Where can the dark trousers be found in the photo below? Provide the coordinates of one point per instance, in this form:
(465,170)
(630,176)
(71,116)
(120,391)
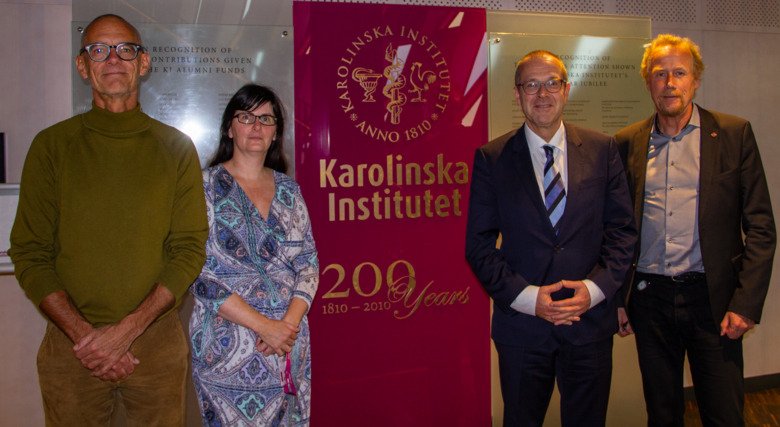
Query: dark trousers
(583,373)
(671,319)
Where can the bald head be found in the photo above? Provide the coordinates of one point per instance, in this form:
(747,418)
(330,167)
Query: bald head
(543,55)
(110,17)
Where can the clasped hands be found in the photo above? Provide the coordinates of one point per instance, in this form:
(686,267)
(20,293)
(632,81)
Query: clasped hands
(106,352)
(565,311)
(276,337)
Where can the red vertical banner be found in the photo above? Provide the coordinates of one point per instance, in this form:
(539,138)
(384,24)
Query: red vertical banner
(390,103)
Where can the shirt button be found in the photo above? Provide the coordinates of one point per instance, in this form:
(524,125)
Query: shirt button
(670,240)
(671,187)
(670,213)
(672,163)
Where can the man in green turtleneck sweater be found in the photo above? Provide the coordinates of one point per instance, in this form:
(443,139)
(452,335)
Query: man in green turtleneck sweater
(109,233)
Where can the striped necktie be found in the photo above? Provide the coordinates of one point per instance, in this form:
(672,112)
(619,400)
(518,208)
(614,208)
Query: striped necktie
(554,193)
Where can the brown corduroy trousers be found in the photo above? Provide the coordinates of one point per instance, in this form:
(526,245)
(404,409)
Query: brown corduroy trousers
(153,395)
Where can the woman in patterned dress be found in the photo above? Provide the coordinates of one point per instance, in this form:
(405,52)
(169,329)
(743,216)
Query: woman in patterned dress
(251,364)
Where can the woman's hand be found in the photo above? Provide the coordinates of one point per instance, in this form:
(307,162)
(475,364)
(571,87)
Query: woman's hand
(292,318)
(276,337)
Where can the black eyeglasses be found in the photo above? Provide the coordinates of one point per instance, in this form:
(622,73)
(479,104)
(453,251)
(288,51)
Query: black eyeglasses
(249,118)
(533,87)
(100,52)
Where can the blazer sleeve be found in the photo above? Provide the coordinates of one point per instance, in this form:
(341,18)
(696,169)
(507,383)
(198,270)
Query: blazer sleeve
(620,234)
(482,232)
(758,227)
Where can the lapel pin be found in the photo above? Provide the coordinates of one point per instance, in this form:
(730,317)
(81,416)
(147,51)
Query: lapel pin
(714,134)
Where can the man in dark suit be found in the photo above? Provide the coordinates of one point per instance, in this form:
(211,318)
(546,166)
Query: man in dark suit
(557,195)
(707,241)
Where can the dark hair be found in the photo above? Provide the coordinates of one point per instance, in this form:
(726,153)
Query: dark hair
(248,98)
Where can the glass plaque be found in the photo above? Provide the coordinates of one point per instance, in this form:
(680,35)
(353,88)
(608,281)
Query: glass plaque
(607,92)
(195,69)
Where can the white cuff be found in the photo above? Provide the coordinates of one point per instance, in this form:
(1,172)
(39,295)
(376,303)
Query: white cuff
(596,296)
(526,302)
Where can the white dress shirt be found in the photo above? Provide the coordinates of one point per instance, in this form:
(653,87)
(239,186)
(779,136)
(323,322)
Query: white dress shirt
(526,301)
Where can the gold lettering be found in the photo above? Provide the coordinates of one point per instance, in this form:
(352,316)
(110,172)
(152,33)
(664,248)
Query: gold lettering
(427,198)
(444,170)
(396,205)
(348,106)
(326,173)
(365,212)
(462,174)
(456,202)
(346,209)
(442,206)
(331,207)
(347,176)
(403,291)
(430,176)
(376,175)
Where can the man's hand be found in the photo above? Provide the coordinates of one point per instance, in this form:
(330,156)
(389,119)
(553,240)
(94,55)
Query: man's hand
(624,326)
(122,369)
(734,325)
(546,309)
(103,348)
(570,309)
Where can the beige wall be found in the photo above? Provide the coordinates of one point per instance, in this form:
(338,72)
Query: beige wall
(35,82)
(21,329)
(36,78)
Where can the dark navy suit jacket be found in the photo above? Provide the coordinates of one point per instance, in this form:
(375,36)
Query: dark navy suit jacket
(596,239)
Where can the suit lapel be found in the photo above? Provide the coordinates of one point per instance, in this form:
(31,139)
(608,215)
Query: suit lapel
(524,169)
(575,163)
(707,151)
(637,165)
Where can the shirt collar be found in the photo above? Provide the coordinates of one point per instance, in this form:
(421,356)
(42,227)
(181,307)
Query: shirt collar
(536,142)
(694,121)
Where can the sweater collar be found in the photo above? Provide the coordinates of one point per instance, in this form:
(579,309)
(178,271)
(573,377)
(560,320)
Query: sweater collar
(116,125)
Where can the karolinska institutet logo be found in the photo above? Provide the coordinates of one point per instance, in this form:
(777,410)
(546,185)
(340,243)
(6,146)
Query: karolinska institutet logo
(393,86)
(393,83)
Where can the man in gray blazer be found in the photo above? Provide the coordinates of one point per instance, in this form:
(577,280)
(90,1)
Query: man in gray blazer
(707,241)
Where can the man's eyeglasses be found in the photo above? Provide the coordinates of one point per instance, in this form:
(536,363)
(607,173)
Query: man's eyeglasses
(100,52)
(249,118)
(533,87)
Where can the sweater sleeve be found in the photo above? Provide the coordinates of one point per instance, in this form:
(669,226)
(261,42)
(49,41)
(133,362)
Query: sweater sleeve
(185,244)
(33,236)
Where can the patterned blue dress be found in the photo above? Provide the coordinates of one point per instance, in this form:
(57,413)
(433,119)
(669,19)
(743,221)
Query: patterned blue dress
(267,262)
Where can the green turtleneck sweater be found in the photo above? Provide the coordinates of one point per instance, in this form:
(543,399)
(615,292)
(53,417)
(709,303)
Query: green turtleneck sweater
(109,205)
